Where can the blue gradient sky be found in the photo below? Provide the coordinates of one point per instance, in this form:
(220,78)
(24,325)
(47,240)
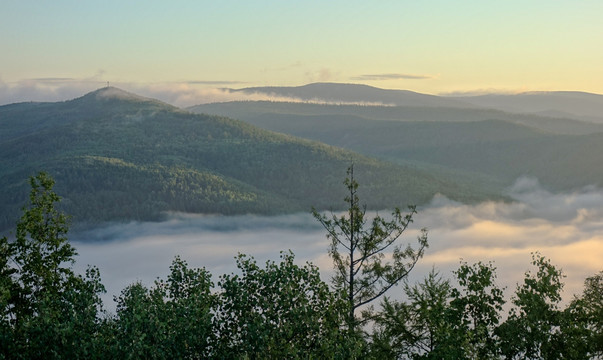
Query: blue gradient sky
(426,46)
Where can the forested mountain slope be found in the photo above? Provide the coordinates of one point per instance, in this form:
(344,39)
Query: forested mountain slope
(255,111)
(471,146)
(118,156)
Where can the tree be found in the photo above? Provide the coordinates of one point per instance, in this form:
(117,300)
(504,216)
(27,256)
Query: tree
(138,332)
(359,252)
(532,330)
(7,288)
(583,321)
(441,322)
(419,328)
(41,249)
(592,299)
(476,307)
(280,311)
(171,320)
(48,311)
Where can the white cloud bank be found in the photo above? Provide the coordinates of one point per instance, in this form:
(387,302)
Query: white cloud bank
(567,228)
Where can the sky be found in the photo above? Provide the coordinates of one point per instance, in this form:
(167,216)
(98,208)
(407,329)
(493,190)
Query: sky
(53,50)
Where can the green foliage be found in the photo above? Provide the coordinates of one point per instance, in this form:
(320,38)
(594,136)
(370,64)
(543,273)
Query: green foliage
(592,303)
(442,322)
(41,246)
(532,328)
(358,251)
(7,287)
(47,310)
(582,322)
(419,328)
(172,320)
(281,311)
(538,328)
(477,306)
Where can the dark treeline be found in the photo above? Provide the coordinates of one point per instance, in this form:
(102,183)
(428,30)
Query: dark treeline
(283,310)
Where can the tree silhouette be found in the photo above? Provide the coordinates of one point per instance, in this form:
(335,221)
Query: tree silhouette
(359,251)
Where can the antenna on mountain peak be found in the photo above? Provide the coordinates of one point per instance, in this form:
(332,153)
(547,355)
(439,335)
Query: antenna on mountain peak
(107,84)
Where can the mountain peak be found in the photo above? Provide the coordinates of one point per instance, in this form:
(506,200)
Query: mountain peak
(111,93)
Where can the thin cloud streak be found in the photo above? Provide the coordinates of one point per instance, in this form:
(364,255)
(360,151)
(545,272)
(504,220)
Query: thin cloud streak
(52,80)
(485,91)
(214,82)
(378,77)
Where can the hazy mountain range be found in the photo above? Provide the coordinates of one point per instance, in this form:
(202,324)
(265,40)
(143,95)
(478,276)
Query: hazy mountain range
(564,104)
(352,93)
(457,138)
(117,156)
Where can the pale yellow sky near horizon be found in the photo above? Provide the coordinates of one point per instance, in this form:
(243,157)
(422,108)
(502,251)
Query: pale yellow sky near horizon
(434,47)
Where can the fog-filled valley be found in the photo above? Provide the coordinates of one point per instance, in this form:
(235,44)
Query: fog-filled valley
(145,181)
(567,228)
(122,159)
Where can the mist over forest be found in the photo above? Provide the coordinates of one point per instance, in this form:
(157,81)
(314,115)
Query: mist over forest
(566,227)
(152,189)
(462,159)
(485,171)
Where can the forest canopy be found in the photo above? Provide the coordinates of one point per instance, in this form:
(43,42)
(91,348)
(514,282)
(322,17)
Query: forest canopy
(276,310)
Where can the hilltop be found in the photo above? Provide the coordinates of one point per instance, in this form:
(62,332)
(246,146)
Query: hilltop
(117,156)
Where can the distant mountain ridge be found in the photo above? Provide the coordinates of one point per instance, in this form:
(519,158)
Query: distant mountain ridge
(249,110)
(355,93)
(565,104)
(568,104)
(117,156)
(486,148)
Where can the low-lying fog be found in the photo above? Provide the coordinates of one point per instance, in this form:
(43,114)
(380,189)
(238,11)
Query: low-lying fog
(567,228)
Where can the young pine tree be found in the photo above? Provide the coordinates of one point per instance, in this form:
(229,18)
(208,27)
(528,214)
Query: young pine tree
(359,251)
